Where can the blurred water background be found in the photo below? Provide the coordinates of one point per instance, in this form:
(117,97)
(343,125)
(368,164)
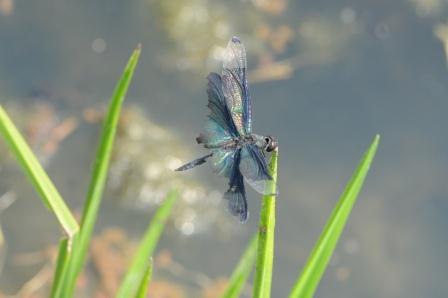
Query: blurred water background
(325,76)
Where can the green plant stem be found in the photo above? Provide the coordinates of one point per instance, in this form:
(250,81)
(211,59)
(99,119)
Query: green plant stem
(318,260)
(61,263)
(242,270)
(265,256)
(144,284)
(33,169)
(146,248)
(99,176)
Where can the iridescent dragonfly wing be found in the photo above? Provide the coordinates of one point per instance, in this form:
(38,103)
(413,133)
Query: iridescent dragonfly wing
(254,168)
(236,194)
(235,87)
(218,128)
(222,161)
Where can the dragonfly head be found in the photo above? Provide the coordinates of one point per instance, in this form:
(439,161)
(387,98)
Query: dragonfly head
(270,143)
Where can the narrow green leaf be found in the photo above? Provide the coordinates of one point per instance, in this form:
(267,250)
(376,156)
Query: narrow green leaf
(146,248)
(61,263)
(323,250)
(265,255)
(99,176)
(144,284)
(2,239)
(32,168)
(242,271)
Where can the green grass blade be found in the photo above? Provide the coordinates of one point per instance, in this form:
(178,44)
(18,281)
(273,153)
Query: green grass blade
(242,271)
(265,254)
(99,176)
(321,254)
(61,264)
(33,169)
(2,246)
(144,284)
(146,248)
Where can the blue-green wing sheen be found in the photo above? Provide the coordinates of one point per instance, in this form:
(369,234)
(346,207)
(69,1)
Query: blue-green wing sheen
(222,161)
(219,126)
(213,134)
(254,169)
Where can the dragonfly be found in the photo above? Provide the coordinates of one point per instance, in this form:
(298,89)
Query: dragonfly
(235,152)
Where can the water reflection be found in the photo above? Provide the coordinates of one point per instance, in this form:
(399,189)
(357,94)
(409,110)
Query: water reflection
(6,7)
(428,8)
(344,71)
(5,201)
(280,45)
(197,27)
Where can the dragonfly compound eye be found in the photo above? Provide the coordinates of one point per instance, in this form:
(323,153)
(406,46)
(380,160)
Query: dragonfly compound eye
(271,143)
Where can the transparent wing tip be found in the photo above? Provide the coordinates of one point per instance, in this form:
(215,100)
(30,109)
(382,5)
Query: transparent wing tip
(235,39)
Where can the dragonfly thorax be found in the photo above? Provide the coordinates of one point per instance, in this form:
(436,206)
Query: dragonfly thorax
(266,143)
